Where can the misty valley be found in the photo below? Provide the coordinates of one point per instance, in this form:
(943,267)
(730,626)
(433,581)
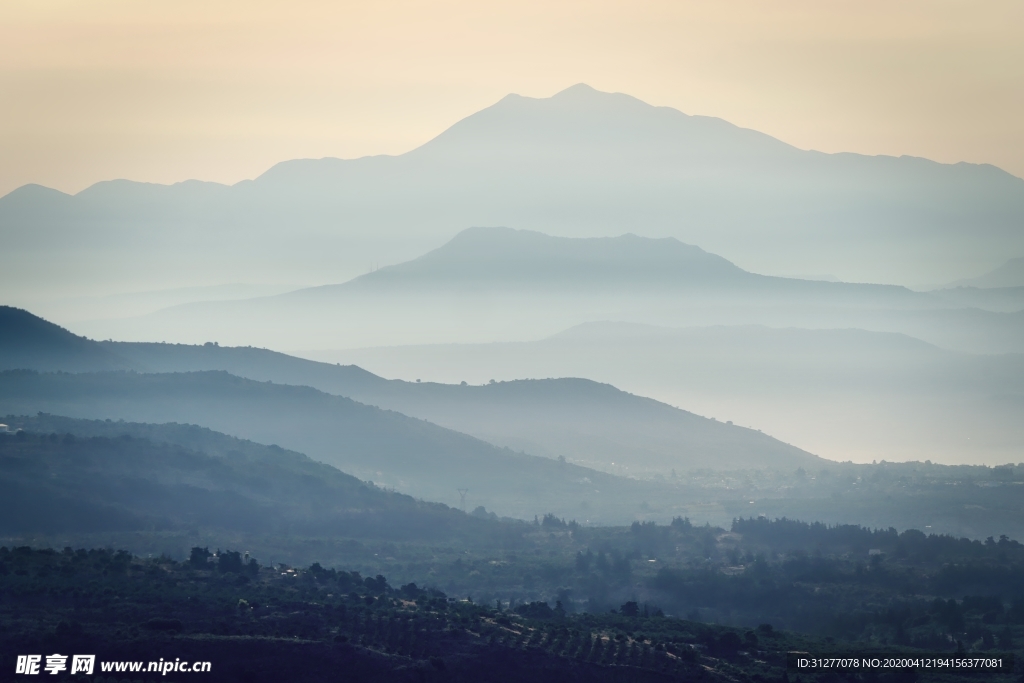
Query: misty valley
(583,531)
(508,407)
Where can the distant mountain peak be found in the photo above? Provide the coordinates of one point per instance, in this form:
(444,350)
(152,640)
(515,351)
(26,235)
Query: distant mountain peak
(493,255)
(582,91)
(580,162)
(578,88)
(32,192)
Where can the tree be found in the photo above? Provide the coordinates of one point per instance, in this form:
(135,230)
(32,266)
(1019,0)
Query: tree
(229,561)
(583,561)
(199,556)
(378,584)
(729,643)
(536,610)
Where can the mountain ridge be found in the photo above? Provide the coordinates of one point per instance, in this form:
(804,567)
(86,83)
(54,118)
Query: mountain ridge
(582,163)
(409,455)
(460,126)
(28,341)
(518,256)
(503,284)
(585,421)
(845,394)
(85,476)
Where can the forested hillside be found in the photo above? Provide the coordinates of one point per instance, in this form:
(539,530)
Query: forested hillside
(197,481)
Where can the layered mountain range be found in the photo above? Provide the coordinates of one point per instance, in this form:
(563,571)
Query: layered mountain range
(608,452)
(580,163)
(646,250)
(841,393)
(500,284)
(591,424)
(101,476)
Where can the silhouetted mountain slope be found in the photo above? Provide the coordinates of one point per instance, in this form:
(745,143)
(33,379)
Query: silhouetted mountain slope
(79,476)
(177,482)
(27,341)
(503,258)
(620,162)
(592,424)
(580,163)
(410,455)
(523,262)
(587,422)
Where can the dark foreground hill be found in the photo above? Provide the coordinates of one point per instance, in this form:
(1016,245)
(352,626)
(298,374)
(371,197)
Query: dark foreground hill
(117,477)
(153,495)
(971,501)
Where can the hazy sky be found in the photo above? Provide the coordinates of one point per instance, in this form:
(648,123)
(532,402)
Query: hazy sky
(163,91)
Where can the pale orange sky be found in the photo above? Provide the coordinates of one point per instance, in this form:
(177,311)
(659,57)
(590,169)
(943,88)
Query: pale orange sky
(163,91)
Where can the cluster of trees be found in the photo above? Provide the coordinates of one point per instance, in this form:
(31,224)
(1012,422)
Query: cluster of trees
(793,535)
(963,500)
(53,600)
(241,613)
(850,582)
(226,562)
